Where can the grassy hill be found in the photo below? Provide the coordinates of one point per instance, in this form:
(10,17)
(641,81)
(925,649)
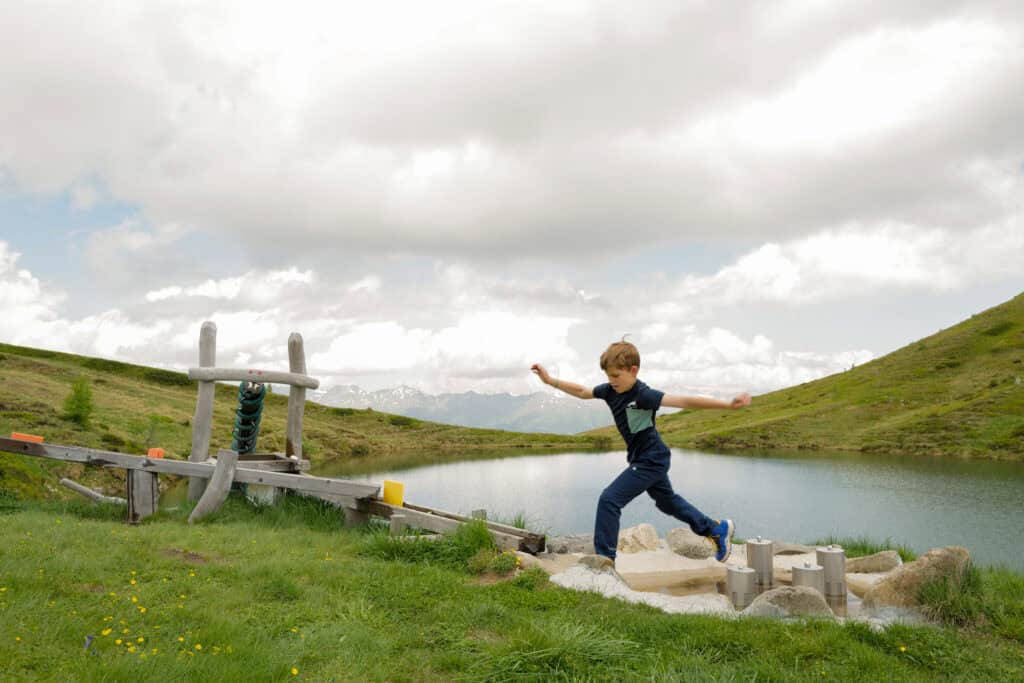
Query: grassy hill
(136,407)
(958,392)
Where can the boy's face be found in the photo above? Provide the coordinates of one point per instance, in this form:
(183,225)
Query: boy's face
(622,379)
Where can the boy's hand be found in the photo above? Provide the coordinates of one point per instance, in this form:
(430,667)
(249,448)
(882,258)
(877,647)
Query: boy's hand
(741,401)
(539,370)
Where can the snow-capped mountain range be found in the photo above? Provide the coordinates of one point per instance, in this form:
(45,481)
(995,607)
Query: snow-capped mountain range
(537,412)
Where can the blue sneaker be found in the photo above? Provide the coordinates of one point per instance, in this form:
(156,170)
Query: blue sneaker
(721,536)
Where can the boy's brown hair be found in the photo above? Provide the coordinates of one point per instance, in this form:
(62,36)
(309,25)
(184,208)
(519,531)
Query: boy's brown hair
(621,355)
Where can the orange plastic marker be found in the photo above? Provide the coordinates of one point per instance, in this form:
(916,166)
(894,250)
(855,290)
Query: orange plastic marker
(155,453)
(34,438)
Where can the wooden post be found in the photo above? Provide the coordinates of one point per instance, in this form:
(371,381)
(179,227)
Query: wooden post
(296,397)
(202,421)
(143,494)
(219,487)
(398,525)
(354,517)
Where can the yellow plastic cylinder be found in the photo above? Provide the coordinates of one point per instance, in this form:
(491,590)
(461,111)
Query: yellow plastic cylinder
(394,491)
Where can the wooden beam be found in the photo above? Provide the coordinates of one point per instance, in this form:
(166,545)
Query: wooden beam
(92,456)
(218,488)
(438,523)
(91,494)
(496,526)
(202,421)
(204,374)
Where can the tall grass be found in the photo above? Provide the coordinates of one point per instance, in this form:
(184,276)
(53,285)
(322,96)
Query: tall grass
(453,550)
(859,546)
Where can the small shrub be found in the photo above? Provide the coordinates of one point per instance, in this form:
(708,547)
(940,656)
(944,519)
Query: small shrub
(531,579)
(78,404)
(343,412)
(504,563)
(360,450)
(402,421)
(602,443)
(310,448)
(481,561)
(947,364)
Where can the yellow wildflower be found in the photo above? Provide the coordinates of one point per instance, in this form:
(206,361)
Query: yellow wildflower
(106,631)
(140,639)
(117,642)
(199,646)
(133,582)
(142,610)
(295,672)
(135,598)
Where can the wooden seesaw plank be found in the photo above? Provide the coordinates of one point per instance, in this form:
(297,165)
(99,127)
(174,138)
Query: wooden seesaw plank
(205,470)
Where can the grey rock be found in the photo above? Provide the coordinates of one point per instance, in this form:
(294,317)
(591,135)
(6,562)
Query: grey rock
(684,542)
(789,601)
(574,543)
(874,564)
(900,588)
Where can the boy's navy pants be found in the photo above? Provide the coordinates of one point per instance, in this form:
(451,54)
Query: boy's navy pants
(640,476)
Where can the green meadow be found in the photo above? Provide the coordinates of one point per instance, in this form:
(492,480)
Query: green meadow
(285,593)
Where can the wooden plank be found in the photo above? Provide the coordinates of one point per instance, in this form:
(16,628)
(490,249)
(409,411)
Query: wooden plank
(92,456)
(218,488)
(202,421)
(92,495)
(296,397)
(496,526)
(431,522)
(205,374)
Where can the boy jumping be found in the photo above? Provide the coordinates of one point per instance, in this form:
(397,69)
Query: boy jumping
(633,405)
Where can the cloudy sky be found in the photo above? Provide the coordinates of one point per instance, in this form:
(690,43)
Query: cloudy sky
(438,194)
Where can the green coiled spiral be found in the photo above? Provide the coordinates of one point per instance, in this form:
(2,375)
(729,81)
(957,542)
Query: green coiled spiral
(247,417)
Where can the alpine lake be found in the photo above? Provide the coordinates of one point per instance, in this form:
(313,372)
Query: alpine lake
(919,502)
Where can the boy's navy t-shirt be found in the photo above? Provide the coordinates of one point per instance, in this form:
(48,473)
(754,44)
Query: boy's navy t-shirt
(634,412)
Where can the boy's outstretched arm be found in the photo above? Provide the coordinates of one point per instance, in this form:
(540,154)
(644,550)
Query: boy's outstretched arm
(570,388)
(701,403)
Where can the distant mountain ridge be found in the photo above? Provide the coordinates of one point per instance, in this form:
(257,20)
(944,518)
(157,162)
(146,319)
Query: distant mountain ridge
(536,412)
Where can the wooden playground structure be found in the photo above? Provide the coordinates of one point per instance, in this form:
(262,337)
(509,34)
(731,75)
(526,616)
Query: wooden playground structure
(265,476)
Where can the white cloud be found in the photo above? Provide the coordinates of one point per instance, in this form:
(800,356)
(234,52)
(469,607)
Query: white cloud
(254,286)
(720,362)
(370,283)
(853,262)
(514,130)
